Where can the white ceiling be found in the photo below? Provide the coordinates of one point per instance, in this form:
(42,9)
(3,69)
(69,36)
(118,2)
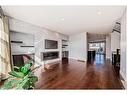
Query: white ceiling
(68,19)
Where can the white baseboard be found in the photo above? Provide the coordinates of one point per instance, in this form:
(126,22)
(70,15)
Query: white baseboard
(123,76)
(109,59)
(78,59)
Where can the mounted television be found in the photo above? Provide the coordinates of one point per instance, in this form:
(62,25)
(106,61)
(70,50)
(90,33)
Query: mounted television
(51,44)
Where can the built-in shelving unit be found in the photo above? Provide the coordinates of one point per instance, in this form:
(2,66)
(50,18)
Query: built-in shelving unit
(64,43)
(116,27)
(21,43)
(64,48)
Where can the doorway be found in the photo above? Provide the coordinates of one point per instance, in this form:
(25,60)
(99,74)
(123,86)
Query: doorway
(100,50)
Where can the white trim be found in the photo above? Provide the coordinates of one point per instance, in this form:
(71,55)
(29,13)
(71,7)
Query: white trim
(77,59)
(109,59)
(124,82)
(124,76)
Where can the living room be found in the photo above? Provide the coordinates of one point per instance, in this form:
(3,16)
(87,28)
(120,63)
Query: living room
(57,41)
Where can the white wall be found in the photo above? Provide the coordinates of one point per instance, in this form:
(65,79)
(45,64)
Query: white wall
(27,39)
(108,46)
(115,41)
(40,45)
(78,46)
(40,34)
(123,48)
(94,37)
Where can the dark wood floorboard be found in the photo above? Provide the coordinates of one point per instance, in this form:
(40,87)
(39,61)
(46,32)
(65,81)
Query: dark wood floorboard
(73,74)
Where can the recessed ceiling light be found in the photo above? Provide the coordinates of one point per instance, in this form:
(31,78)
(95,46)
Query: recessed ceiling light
(99,13)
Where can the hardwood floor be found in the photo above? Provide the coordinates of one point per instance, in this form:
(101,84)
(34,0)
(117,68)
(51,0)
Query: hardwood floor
(73,74)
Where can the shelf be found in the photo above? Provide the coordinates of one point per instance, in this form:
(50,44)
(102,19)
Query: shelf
(64,45)
(65,40)
(26,46)
(65,51)
(16,41)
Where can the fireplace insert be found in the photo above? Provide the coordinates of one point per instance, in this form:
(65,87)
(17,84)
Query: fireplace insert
(50,55)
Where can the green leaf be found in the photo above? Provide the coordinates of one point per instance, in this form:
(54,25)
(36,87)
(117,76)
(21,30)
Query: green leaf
(10,84)
(16,74)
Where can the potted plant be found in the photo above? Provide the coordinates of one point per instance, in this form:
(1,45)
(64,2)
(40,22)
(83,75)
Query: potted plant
(21,78)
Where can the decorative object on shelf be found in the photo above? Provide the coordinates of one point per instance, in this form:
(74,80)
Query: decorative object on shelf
(22,78)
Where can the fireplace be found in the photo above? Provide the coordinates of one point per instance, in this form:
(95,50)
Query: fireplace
(21,59)
(49,55)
